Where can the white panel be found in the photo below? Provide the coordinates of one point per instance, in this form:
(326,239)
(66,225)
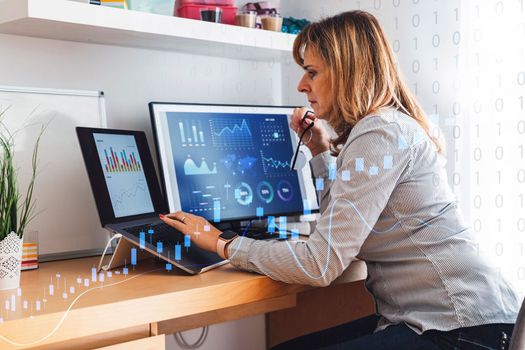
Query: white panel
(66,219)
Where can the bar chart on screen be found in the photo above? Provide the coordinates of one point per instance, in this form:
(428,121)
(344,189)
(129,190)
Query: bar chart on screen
(120,161)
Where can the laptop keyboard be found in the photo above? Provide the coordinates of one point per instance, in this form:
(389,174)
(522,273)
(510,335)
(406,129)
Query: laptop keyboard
(157,229)
(161,232)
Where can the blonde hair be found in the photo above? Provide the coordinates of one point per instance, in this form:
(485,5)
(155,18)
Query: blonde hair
(364,77)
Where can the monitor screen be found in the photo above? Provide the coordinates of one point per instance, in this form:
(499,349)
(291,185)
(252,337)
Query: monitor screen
(230,163)
(124,174)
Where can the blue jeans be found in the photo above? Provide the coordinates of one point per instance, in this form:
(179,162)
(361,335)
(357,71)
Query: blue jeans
(358,335)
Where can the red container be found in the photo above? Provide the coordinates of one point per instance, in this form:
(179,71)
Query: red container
(181,3)
(194,12)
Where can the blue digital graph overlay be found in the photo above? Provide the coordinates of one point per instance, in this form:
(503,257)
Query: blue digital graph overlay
(191,168)
(275,165)
(191,134)
(231,133)
(241,169)
(272,132)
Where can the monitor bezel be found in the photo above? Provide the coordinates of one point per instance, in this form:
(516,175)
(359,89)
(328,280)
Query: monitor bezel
(301,177)
(96,174)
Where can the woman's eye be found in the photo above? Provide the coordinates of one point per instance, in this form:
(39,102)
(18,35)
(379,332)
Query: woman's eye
(311,74)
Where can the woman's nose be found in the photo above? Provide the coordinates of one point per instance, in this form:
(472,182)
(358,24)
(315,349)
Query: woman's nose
(302,86)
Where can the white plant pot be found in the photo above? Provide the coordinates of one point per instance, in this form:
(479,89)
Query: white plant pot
(10,261)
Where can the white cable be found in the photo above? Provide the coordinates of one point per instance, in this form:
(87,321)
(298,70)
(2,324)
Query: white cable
(179,338)
(117,235)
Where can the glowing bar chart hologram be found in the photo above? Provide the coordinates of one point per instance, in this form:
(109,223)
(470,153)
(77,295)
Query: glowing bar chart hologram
(178,252)
(191,134)
(133,256)
(121,162)
(142,240)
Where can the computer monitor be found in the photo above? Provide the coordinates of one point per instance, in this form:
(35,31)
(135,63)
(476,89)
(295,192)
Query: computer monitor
(230,163)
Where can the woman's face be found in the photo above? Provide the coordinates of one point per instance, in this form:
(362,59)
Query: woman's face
(316,83)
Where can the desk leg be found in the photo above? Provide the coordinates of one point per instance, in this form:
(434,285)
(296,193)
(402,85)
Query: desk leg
(319,309)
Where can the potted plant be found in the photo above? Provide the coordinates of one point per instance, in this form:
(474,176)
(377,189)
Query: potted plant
(15,212)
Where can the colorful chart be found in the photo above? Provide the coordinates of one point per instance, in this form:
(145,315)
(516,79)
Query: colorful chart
(123,173)
(120,162)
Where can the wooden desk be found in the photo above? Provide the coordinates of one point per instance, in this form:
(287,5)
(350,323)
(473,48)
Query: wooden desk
(151,301)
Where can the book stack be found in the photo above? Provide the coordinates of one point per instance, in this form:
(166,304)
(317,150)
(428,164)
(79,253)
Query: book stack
(29,256)
(122,4)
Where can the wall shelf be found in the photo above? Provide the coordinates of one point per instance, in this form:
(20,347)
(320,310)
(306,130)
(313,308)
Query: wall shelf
(80,22)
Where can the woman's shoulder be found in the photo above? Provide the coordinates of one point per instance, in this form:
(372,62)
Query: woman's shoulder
(388,117)
(395,125)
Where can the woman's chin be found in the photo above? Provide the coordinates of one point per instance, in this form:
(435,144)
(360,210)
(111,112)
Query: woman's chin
(319,113)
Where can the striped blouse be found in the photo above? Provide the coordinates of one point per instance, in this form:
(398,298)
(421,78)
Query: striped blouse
(391,206)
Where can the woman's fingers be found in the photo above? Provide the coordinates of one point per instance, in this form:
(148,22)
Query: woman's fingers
(175,223)
(184,222)
(193,225)
(180,216)
(296,120)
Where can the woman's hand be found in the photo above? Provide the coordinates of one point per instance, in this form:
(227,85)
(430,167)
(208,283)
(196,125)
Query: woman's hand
(202,233)
(317,138)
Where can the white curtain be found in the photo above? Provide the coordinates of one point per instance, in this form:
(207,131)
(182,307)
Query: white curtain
(490,130)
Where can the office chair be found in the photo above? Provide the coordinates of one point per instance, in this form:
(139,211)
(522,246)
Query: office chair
(517,341)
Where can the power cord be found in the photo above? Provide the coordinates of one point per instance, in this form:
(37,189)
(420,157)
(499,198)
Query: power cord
(106,267)
(179,339)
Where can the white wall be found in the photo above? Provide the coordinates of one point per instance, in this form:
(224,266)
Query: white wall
(133,77)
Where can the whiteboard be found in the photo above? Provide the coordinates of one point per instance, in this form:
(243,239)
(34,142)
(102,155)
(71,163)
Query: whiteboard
(67,221)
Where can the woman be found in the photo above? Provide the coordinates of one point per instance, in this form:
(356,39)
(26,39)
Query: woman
(432,288)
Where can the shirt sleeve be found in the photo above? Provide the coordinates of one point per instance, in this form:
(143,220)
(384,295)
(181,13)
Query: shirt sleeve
(320,165)
(372,165)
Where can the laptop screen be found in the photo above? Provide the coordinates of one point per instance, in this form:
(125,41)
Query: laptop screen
(124,174)
(121,173)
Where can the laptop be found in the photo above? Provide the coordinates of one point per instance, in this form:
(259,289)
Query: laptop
(129,200)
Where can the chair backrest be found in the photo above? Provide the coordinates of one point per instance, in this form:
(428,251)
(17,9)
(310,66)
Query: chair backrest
(518,335)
